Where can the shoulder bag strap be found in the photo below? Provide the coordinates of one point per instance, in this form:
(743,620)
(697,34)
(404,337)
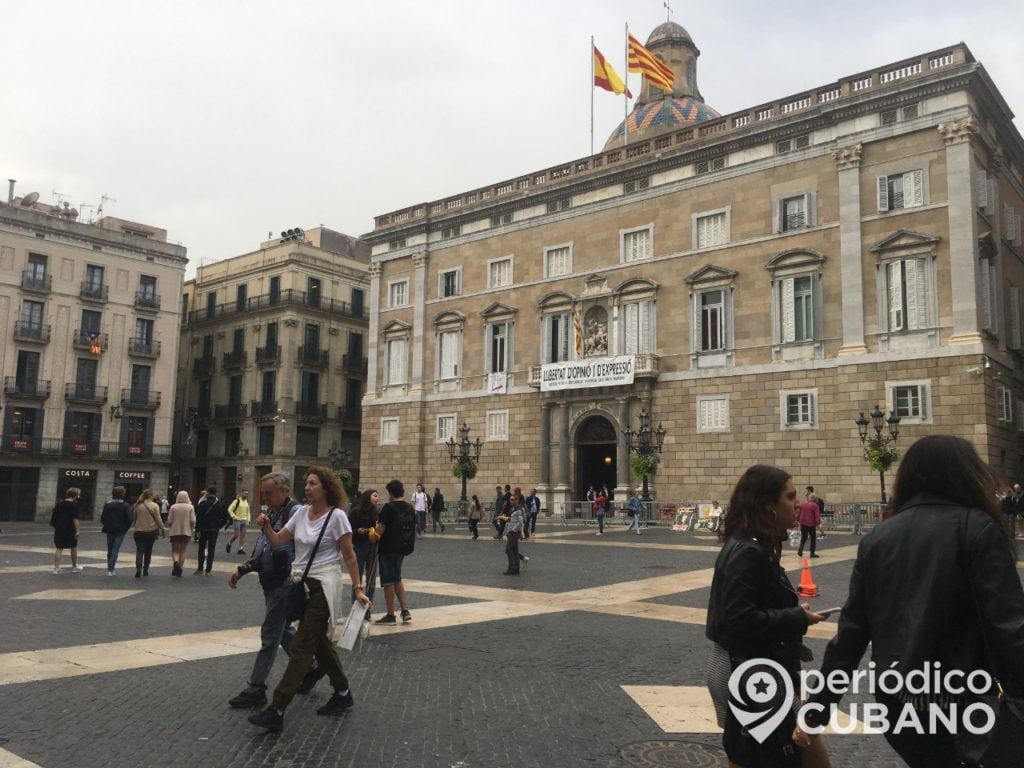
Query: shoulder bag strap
(316,546)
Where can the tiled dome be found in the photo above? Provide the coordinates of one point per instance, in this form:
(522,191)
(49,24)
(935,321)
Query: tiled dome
(669,31)
(663,116)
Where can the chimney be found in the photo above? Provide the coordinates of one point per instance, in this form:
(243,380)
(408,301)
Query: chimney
(10,190)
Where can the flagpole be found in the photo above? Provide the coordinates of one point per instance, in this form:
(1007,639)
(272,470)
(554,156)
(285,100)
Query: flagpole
(625,109)
(591,94)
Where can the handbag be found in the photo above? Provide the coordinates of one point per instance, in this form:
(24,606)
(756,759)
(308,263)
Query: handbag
(1002,746)
(298,597)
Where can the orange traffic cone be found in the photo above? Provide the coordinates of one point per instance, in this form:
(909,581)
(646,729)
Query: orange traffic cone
(807,586)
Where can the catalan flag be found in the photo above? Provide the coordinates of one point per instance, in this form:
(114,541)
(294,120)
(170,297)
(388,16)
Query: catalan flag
(606,77)
(654,69)
(94,343)
(577,330)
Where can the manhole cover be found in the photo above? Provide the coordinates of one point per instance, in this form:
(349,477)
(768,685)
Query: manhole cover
(673,754)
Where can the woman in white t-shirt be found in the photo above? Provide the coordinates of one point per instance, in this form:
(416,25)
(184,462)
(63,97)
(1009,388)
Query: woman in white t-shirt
(420,502)
(326,497)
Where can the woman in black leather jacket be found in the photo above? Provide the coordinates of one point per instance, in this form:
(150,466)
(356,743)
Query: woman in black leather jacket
(935,582)
(754,613)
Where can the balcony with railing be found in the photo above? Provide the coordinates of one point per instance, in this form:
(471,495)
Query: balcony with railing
(87,394)
(288,298)
(140,398)
(352,416)
(314,356)
(83,340)
(263,410)
(68,446)
(269,354)
(26,389)
(94,292)
(354,364)
(236,358)
(147,300)
(28,331)
(37,282)
(310,411)
(143,348)
(204,366)
(228,413)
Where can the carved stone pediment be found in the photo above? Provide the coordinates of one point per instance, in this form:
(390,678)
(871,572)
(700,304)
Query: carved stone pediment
(711,273)
(795,258)
(497,309)
(904,239)
(396,326)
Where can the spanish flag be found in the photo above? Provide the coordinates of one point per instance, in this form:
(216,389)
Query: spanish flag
(606,77)
(656,71)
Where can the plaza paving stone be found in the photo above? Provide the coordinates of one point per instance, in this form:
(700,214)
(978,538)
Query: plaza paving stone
(589,617)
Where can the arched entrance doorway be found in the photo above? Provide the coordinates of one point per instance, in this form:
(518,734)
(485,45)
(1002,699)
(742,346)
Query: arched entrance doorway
(595,455)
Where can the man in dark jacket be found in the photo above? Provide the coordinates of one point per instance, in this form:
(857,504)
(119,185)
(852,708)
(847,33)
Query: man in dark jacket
(116,519)
(274,565)
(211,516)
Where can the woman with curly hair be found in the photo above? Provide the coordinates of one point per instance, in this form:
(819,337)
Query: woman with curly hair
(323,519)
(754,613)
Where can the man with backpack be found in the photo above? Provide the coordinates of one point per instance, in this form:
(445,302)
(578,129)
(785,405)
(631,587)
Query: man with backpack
(211,516)
(812,496)
(116,520)
(239,511)
(397,528)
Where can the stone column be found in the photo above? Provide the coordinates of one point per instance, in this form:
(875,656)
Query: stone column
(963,237)
(622,487)
(373,333)
(563,491)
(544,459)
(850,257)
(419,314)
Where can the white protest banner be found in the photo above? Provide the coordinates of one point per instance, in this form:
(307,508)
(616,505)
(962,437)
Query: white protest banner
(590,372)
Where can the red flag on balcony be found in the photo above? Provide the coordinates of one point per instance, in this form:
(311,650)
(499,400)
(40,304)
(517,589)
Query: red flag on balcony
(94,343)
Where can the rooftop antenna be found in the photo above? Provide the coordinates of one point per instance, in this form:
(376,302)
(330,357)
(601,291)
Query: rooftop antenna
(105,198)
(668,10)
(82,207)
(60,197)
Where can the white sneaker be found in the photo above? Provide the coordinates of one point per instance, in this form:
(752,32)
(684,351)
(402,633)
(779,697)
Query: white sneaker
(110,573)
(599,534)
(77,569)
(56,571)
(526,559)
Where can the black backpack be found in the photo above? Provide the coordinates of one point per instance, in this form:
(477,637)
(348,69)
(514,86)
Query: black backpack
(821,504)
(405,517)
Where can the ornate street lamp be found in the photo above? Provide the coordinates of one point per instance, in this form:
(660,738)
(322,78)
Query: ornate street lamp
(646,443)
(464,454)
(878,449)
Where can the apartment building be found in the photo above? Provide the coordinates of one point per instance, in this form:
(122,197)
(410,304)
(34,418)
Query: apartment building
(273,356)
(88,358)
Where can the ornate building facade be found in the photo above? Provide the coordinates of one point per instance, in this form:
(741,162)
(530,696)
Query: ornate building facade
(273,356)
(765,276)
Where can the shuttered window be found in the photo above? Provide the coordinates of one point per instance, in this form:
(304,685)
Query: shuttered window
(901,190)
(396,361)
(638,331)
(796,308)
(712,230)
(907,287)
(636,245)
(448,353)
(557,333)
(711,320)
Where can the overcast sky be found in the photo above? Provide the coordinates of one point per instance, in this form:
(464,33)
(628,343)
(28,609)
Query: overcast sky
(222,120)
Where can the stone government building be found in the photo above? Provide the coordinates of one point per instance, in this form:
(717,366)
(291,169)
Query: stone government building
(771,272)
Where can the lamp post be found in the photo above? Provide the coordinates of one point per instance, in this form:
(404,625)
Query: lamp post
(466,453)
(645,442)
(881,444)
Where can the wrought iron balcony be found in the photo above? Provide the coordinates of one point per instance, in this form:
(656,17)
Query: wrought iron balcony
(204,366)
(36,282)
(94,292)
(354,363)
(140,398)
(34,389)
(90,394)
(229,412)
(37,332)
(82,340)
(143,348)
(270,354)
(146,300)
(310,411)
(68,446)
(263,409)
(350,415)
(314,356)
(234,359)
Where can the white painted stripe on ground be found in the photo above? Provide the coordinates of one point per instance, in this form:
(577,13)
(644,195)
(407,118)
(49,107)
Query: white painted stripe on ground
(80,594)
(11,760)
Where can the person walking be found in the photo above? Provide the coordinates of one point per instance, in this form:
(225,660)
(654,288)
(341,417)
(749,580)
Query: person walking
(1013,507)
(476,514)
(500,503)
(323,541)
(754,613)
(532,510)
(240,515)
(437,506)
(716,515)
(513,531)
(274,566)
(809,517)
(599,507)
(363,517)
(148,526)
(211,516)
(396,527)
(636,507)
(935,586)
(116,519)
(420,502)
(181,520)
(67,525)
